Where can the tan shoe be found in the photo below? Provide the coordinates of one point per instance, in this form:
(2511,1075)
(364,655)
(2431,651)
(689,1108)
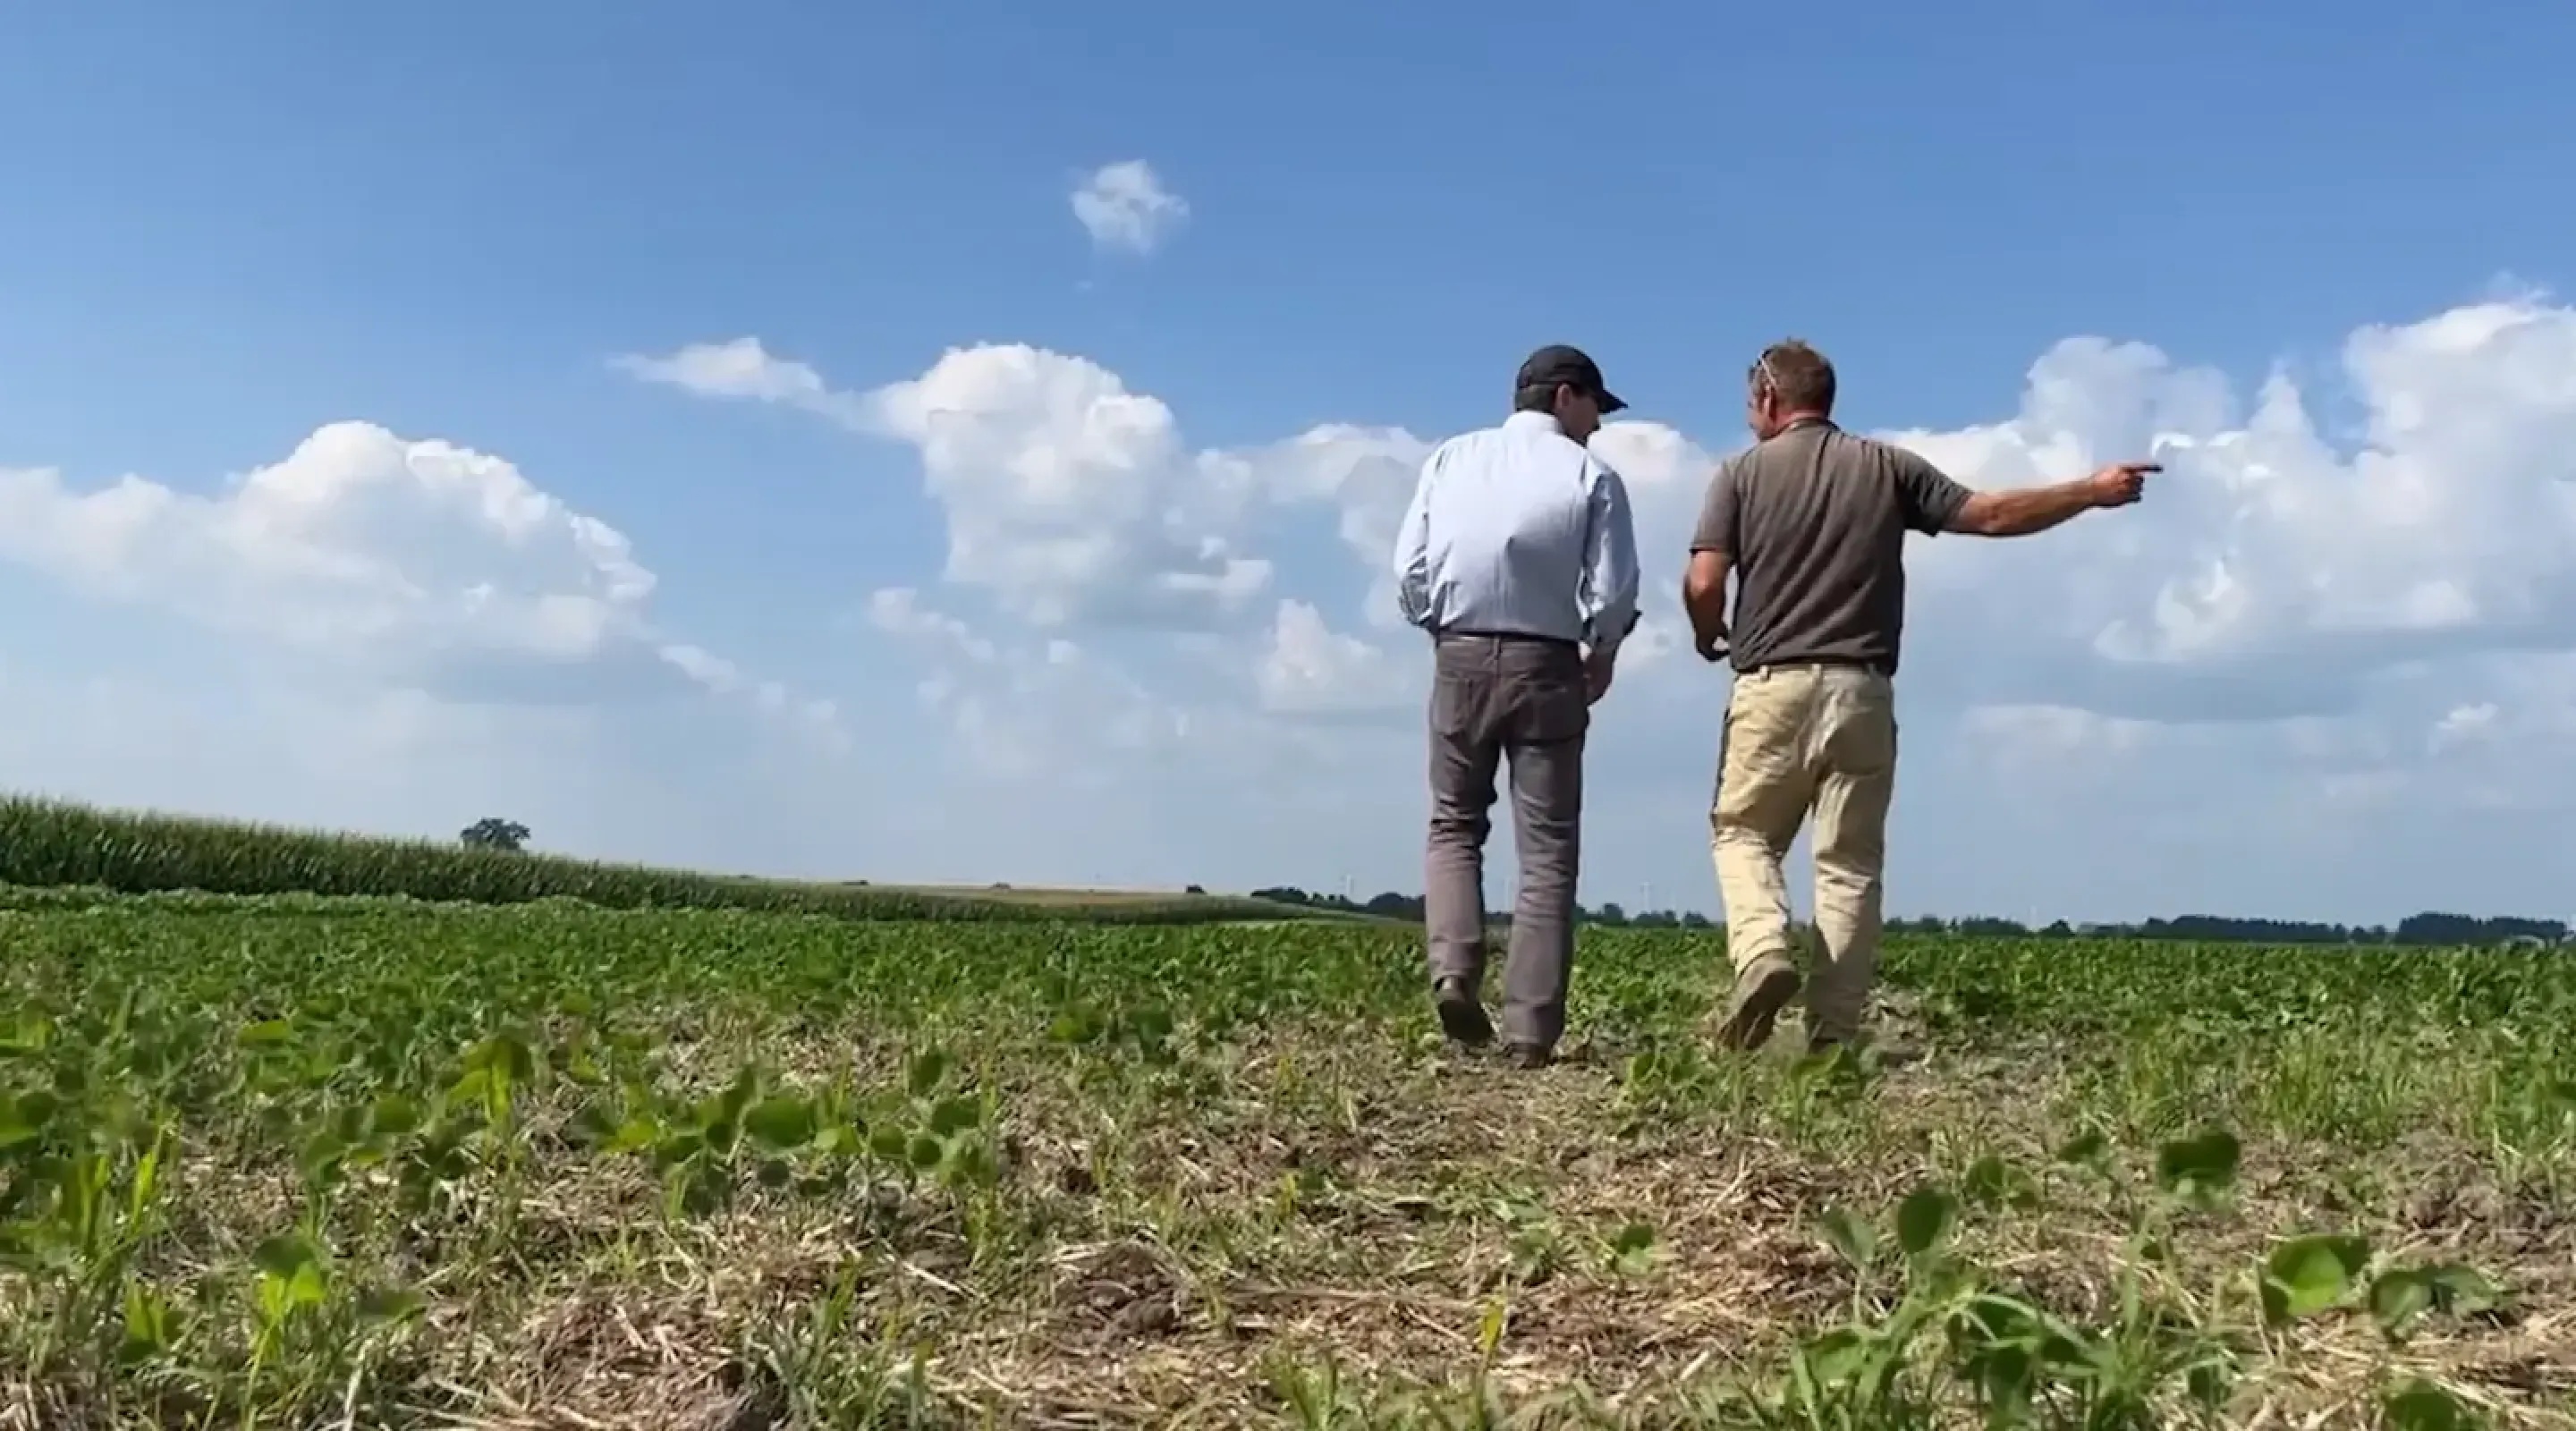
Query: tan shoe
(1762,989)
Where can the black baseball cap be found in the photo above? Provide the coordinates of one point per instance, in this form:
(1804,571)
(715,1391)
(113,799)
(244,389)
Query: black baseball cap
(1562,363)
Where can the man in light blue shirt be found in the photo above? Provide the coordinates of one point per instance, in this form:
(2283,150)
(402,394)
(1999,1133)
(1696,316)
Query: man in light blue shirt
(1518,556)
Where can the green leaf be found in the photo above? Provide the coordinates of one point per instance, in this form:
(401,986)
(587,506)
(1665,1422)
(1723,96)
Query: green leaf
(296,1269)
(393,1115)
(34,1032)
(2422,1406)
(834,1140)
(1076,1023)
(504,1053)
(695,1189)
(738,1096)
(471,1088)
(1837,1356)
(593,1124)
(320,1157)
(2306,1275)
(267,1034)
(2460,1290)
(1151,1027)
(1632,1249)
(928,1069)
(926,1152)
(2211,1383)
(955,1115)
(1924,1219)
(1853,1239)
(1992,1182)
(2201,1167)
(633,1135)
(968,1161)
(2397,1298)
(149,1325)
(782,1123)
(23,1118)
(287,1255)
(2086,1149)
(390,1304)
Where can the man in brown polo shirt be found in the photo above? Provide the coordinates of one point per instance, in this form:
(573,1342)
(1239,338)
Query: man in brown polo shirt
(1812,522)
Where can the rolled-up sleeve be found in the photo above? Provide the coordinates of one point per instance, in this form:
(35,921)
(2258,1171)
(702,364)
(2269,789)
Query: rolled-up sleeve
(1716,529)
(1413,549)
(1931,496)
(1610,562)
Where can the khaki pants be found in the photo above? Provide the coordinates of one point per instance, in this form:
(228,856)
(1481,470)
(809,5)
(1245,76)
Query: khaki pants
(1801,740)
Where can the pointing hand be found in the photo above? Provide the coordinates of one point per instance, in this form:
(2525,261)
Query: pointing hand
(2121,483)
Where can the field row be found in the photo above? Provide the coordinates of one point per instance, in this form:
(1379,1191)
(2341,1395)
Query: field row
(282,1161)
(47,844)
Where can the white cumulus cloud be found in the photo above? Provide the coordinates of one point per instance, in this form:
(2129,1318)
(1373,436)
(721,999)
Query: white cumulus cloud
(1125,207)
(1311,669)
(2279,566)
(1071,499)
(358,539)
(420,560)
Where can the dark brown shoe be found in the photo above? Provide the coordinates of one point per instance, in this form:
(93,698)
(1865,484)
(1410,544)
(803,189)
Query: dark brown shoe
(1764,988)
(1462,1014)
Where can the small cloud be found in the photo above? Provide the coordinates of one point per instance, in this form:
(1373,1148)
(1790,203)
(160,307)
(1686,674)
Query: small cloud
(742,369)
(1125,207)
(2465,725)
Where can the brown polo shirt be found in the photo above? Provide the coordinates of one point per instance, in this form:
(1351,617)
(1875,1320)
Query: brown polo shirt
(1813,523)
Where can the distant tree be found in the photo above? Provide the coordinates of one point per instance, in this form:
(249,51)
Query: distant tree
(2451,930)
(1194,889)
(493,833)
(1391,905)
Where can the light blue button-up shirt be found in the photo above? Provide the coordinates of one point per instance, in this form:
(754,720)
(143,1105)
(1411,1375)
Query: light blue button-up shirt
(1519,529)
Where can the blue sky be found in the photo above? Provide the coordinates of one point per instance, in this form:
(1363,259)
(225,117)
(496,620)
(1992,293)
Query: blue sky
(718,437)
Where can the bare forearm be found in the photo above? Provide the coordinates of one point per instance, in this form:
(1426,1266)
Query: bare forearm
(2024,510)
(1704,599)
(1707,617)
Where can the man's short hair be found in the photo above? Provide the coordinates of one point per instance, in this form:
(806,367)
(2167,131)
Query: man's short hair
(1534,397)
(1802,377)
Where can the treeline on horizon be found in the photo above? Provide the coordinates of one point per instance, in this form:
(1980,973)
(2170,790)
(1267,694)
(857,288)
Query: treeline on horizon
(2432,927)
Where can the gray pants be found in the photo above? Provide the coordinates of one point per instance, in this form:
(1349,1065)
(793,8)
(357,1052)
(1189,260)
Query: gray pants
(1521,697)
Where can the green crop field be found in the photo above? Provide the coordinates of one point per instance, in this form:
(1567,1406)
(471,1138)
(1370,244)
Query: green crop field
(47,844)
(305,1161)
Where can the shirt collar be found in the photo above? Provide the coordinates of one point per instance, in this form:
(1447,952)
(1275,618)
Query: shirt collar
(1534,420)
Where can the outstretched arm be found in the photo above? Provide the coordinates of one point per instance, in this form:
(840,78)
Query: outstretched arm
(1937,504)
